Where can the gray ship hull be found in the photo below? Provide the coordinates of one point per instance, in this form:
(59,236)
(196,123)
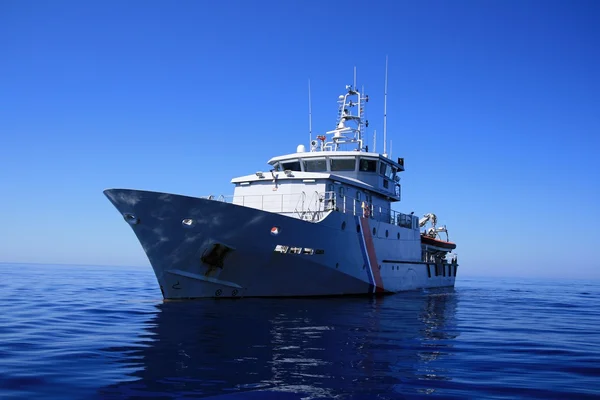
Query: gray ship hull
(207,248)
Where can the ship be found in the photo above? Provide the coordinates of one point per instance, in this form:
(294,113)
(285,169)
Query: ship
(316,222)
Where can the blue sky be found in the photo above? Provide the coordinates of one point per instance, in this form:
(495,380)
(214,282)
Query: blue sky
(495,106)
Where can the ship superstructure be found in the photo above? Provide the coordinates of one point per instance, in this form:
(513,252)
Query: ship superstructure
(317,222)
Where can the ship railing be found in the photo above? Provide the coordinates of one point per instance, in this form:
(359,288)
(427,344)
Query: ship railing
(360,207)
(313,206)
(310,206)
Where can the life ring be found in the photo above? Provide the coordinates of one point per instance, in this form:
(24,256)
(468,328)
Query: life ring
(366,210)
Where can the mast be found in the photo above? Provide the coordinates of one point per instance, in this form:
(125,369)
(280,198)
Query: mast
(351,123)
(385,107)
(309,115)
(364,121)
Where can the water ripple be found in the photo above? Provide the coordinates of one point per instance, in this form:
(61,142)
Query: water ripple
(104,332)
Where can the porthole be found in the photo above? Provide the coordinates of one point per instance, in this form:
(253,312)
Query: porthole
(374,231)
(398,235)
(337,265)
(358,228)
(343,225)
(386,233)
(364,266)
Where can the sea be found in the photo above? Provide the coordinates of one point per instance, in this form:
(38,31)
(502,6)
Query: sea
(90,332)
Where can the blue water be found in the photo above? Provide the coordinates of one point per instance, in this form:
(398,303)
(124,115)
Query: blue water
(104,332)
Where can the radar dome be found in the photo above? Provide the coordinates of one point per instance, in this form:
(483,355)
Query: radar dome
(300,148)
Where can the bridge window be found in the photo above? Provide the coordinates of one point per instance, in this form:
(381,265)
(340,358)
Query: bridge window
(368,165)
(291,165)
(387,170)
(382,168)
(390,172)
(315,165)
(343,164)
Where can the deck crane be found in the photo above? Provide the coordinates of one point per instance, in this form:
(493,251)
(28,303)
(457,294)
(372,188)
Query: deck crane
(428,217)
(433,231)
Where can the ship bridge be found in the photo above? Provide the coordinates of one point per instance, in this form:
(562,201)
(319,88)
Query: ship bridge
(374,170)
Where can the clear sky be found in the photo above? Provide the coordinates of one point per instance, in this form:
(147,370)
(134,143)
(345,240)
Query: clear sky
(495,106)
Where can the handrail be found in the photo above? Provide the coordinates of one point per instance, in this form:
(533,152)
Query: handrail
(319,204)
(302,198)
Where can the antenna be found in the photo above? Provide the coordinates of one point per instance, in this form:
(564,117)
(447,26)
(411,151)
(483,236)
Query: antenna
(354,87)
(390,148)
(385,106)
(309,115)
(374,141)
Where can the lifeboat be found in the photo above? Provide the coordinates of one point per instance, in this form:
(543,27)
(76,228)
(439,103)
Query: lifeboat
(428,240)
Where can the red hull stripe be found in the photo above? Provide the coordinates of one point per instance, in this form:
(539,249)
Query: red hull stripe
(364,222)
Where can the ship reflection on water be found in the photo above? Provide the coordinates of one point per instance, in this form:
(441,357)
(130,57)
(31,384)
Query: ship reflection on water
(293,348)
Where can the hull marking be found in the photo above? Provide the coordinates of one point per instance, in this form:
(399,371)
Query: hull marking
(370,257)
